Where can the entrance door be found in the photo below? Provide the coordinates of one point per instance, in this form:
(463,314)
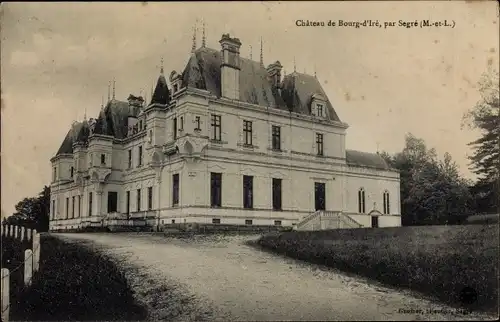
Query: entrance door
(374,221)
(319,196)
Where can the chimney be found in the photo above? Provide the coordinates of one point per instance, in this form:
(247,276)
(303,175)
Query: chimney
(274,72)
(135,101)
(230,67)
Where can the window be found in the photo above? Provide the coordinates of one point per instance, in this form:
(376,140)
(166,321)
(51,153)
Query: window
(216,127)
(67,208)
(182,124)
(53,209)
(215,220)
(319,143)
(129,159)
(79,206)
(138,200)
(103,159)
(215,189)
(150,198)
(73,207)
(145,125)
(71,172)
(175,128)
(140,156)
(319,110)
(387,209)
(112,201)
(90,204)
(247,192)
(140,125)
(128,202)
(175,88)
(175,189)
(276,194)
(173,221)
(276,132)
(198,121)
(247,131)
(361,201)
(54,173)
(277,222)
(248,221)
(91,159)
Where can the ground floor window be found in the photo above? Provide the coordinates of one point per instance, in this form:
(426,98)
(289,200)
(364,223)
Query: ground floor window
(215,221)
(277,222)
(215,189)
(112,201)
(248,222)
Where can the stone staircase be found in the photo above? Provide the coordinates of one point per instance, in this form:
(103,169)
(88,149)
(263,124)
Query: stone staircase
(323,220)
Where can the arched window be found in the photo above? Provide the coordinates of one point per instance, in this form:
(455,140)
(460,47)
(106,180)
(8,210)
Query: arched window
(361,201)
(387,209)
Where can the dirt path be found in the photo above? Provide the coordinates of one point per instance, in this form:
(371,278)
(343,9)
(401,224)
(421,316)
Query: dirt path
(220,278)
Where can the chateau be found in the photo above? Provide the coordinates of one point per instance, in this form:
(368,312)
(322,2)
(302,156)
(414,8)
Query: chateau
(227,141)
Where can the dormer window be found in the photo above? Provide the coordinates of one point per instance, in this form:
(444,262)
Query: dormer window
(319,110)
(175,88)
(175,80)
(140,125)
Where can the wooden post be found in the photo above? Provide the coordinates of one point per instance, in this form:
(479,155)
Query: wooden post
(28,266)
(28,234)
(5,294)
(10,230)
(2,229)
(16,230)
(36,250)
(22,233)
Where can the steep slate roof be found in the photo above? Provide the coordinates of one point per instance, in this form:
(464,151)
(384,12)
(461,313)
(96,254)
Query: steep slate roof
(203,72)
(161,95)
(112,120)
(365,159)
(305,87)
(79,131)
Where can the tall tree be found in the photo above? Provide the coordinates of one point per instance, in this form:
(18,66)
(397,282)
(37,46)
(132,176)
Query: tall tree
(432,191)
(33,212)
(485,161)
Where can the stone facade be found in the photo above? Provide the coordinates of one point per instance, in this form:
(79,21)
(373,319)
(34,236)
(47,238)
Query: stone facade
(139,164)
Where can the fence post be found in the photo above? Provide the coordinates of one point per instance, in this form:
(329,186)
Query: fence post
(5,294)
(28,266)
(16,229)
(22,233)
(28,234)
(2,230)
(9,231)
(36,250)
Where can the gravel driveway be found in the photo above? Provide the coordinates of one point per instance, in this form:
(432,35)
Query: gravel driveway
(221,278)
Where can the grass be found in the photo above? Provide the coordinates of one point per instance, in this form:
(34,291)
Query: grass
(75,283)
(456,264)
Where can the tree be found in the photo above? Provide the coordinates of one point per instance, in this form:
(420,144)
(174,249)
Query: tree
(485,161)
(33,212)
(432,191)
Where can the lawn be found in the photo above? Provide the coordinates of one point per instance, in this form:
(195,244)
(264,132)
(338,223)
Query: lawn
(456,264)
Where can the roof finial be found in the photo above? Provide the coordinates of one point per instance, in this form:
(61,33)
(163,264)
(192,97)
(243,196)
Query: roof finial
(114,84)
(109,90)
(193,46)
(294,65)
(315,71)
(85,114)
(161,66)
(261,53)
(250,52)
(203,39)
(102,101)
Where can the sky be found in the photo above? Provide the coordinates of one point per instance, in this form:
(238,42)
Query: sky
(57,60)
